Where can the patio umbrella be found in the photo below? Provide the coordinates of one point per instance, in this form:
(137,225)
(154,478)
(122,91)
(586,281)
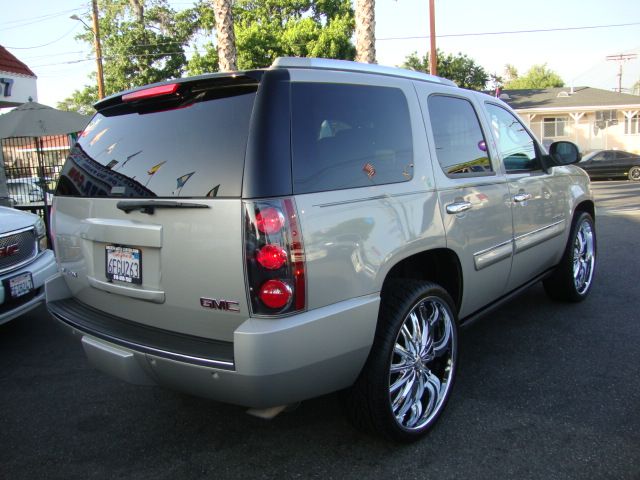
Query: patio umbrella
(33,119)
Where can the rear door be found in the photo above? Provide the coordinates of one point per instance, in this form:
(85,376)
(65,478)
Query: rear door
(148,215)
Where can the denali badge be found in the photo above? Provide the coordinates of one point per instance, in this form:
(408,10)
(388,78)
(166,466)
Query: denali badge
(9,250)
(226,305)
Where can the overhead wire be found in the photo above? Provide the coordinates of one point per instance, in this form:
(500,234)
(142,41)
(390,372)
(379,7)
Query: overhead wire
(40,19)
(545,30)
(45,44)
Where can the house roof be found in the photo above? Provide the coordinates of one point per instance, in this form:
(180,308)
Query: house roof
(10,64)
(564,98)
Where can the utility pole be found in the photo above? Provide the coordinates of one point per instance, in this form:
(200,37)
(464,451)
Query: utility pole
(433,56)
(96,41)
(96,44)
(621,57)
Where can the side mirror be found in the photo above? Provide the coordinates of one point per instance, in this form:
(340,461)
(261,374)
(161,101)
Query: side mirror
(564,153)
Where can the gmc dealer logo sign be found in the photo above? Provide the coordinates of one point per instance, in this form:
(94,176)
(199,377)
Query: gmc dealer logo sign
(9,250)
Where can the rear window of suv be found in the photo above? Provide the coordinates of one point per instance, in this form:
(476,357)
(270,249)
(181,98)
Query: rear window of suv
(346,136)
(194,151)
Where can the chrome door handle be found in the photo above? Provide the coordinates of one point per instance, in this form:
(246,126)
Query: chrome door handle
(522,197)
(458,207)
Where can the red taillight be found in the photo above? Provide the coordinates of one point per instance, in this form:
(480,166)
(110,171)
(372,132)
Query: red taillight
(272,257)
(270,220)
(275,294)
(151,92)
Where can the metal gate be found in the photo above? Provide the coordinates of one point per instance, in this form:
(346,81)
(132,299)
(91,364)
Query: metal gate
(32,166)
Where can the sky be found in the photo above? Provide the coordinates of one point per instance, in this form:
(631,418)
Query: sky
(572,37)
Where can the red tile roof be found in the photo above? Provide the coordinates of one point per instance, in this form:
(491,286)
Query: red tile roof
(10,64)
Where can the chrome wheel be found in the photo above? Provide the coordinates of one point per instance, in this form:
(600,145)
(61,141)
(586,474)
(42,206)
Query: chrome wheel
(422,363)
(634,174)
(583,257)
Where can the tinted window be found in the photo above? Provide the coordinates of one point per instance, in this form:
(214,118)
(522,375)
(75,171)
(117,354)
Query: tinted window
(460,144)
(346,136)
(197,151)
(515,145)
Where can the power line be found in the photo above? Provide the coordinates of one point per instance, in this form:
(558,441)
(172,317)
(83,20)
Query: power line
(510,32)
(40,19)
(46,44)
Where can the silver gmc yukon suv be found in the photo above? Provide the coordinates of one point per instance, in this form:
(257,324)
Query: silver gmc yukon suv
(268,236)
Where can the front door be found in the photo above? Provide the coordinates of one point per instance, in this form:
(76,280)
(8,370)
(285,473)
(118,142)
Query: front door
(537,198)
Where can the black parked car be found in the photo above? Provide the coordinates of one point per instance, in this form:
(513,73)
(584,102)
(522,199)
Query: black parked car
(611,164)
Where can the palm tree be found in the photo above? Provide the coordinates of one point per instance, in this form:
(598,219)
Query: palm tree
(365,31)
(226,37)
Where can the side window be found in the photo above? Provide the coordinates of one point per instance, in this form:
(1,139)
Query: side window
(517,148)
(347,136)
(460,144)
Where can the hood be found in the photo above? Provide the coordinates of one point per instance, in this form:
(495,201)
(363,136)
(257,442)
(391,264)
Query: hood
(12,219)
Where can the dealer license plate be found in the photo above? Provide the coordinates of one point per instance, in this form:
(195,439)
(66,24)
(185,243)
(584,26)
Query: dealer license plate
(20,285)
(123,264)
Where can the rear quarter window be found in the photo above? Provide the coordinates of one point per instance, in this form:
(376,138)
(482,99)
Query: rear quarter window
(347,136)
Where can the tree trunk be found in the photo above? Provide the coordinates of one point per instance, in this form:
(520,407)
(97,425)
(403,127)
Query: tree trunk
(365,31)
(226,37)
(138,9)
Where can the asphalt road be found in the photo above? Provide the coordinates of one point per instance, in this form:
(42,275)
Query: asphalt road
(545,390)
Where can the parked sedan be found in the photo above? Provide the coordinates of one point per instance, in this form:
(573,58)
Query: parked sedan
(25,262)
(611,164)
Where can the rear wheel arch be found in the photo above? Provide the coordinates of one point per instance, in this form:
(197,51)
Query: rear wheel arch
(440,266)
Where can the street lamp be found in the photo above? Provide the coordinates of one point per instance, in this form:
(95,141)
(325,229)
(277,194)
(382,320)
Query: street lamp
(96,44)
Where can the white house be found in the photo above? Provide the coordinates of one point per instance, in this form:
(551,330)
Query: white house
(590,117)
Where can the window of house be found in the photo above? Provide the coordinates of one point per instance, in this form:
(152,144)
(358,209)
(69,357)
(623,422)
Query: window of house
(516,147)
(554,127)
(461,147)
(632,125)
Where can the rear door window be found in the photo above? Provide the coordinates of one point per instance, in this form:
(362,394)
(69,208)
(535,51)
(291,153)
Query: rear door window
(346,136)
(460,144)
(196,151)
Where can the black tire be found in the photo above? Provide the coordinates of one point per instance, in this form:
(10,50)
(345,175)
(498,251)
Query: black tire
(573,277)
(425,371)
(634,174)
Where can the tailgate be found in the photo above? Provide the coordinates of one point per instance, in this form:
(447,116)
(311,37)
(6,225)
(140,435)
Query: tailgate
(188,262)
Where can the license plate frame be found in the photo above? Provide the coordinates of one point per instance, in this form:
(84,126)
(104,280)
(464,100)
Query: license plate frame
(19,285)
(123,264)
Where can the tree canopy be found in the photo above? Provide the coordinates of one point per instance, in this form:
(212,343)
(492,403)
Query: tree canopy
(145,41)
(459,68)
(538,76)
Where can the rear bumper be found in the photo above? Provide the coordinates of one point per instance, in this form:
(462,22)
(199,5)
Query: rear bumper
(270,362)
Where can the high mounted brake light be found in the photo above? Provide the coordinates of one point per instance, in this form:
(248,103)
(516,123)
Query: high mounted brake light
(146,93)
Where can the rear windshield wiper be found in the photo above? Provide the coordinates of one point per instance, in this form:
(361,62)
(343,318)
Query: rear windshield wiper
(149,206)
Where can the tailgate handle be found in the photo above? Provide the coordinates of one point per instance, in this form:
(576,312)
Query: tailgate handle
(149,206)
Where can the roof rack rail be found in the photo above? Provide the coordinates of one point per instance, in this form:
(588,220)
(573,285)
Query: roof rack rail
(347,66)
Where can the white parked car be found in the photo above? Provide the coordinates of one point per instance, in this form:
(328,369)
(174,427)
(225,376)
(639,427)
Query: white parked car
(25,262)
(26,192)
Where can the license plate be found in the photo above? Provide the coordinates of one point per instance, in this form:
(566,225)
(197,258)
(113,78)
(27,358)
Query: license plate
(123,264)
(20,285)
